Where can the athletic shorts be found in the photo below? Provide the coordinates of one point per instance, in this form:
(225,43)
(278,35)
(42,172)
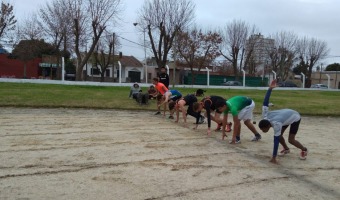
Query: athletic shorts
(247,112)
(175,98)
(294,127)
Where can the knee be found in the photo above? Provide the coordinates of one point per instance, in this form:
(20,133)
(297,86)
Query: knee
(291,140)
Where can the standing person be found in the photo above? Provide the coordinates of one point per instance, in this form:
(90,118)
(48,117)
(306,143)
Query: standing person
(134,90)
(164,77)
(209,104)
(170,95)
(161,90)
(280,120)
(241,108)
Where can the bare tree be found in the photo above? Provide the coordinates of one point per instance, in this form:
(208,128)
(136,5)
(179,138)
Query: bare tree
(7,19)
(197,49)
(163,19)
(310,51)
(90,19)
(30,28)
(235,36)
(283,55)
(54,21)
(104,54)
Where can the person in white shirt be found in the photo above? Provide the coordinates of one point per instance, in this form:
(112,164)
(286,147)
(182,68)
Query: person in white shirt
(279,120)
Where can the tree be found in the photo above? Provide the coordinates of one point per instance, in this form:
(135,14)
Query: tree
(86,19)
(283,55)
(90,18)
(163,19)
(104,54)
(197,49)
(235,36)
(310,51)
(333,67)
(7,19)
(54,22)
(30,29)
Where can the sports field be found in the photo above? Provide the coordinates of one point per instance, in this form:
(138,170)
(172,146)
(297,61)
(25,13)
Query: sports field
(110,154)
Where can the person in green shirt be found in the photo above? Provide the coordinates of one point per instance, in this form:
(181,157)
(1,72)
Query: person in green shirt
(241,108)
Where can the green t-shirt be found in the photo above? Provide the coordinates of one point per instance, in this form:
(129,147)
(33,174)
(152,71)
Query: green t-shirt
(237,103)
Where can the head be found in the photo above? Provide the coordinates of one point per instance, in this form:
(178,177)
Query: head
(152,87)
(200,92)
(264,125)
(135,85)
(159,97)
(221,105)
(172,105)
(197,106)
(140,90)
(163,71)
(155,81)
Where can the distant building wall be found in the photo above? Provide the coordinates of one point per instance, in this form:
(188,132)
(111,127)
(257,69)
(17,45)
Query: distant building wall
(14,68)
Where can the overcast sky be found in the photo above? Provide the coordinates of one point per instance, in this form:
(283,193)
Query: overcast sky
(313,18)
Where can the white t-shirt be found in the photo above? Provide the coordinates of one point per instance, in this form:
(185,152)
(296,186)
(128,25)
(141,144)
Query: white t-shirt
(279,118)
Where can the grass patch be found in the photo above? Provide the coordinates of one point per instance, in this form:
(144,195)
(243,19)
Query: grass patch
(324,103)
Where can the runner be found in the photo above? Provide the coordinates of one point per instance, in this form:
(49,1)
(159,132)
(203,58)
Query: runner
(209,104)
(161,90)
(169,96)
(241,108)
(280,120)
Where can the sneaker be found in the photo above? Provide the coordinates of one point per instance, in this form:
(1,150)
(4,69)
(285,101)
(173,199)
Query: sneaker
(256,138)
(171,117)
(303,155)
(158,113)
(228,127)
(236,141)
(218,128)
(284,152)
(201,121)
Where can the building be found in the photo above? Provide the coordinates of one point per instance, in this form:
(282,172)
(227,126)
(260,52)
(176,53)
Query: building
(258,49)
(132,70)
(14,68)
(322,78)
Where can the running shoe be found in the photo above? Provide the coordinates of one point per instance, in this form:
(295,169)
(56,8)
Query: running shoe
(256,138)
(171,117)
(201,121)
(158,113)
(219,126)
(284,152)
(303,155)
(228,127)
(236,141)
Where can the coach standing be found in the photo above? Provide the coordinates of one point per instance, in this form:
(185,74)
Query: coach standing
(164,77)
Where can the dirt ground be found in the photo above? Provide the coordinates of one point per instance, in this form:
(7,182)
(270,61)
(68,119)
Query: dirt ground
(111,154)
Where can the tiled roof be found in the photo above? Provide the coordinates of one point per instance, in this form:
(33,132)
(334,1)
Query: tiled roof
(130,61)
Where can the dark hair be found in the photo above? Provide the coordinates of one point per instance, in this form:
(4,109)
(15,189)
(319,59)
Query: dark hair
(172,105)
(159,97)
(155,79)
(200,92)
(195,106)
(264,124)
(220,103)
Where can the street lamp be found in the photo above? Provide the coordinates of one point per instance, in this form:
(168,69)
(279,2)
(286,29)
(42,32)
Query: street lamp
(145,64)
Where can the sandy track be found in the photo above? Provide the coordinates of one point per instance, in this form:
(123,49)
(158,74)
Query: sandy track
(109,154)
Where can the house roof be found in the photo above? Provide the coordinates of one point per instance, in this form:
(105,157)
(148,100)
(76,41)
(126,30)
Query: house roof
(130,61)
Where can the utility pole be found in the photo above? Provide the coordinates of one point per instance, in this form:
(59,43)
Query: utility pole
(113,56)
